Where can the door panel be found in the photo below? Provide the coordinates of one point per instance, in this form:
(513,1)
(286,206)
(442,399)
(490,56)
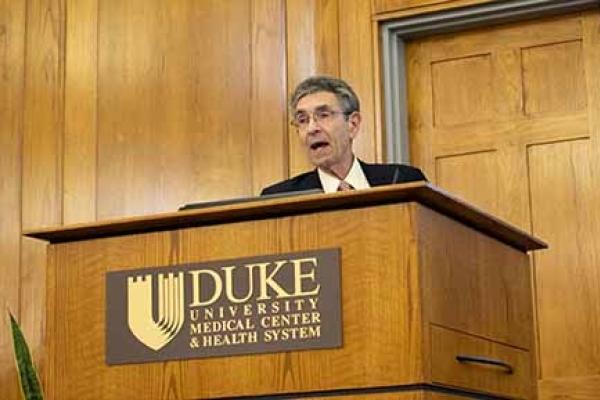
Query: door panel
(507,117)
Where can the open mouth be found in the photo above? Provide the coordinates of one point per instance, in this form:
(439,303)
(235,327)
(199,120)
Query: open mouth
(318,145)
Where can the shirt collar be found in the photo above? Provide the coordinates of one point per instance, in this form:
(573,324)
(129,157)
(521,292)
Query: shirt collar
(356,177)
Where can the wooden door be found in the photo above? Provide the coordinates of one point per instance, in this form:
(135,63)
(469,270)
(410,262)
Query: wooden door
(508,118)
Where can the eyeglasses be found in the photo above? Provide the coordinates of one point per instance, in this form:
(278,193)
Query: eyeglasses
(320,115)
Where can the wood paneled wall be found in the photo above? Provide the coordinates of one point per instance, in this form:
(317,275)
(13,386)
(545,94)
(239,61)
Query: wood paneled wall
(112,108)
(12,47)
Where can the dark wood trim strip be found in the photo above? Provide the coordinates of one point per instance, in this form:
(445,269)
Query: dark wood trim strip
(373,390)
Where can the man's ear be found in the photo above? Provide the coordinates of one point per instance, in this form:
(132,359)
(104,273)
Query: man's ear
(354,121)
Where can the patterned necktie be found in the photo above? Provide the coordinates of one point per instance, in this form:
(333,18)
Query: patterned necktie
(344,186)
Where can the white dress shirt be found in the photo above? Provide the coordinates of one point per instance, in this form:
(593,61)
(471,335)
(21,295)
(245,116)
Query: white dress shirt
(356,178)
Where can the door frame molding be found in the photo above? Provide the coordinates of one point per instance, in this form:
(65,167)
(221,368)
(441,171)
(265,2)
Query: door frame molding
(394,34)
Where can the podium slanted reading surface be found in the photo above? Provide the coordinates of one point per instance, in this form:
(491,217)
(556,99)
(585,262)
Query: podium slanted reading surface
(435,300)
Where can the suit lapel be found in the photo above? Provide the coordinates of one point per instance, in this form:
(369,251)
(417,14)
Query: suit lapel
(312,181)
(374,175)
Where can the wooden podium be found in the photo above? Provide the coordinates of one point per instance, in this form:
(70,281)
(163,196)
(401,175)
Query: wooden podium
(436,299)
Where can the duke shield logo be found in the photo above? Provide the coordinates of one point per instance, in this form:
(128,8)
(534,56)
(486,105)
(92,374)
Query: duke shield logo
(170,308)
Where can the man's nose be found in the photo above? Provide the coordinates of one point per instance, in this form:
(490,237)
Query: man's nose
(313,125)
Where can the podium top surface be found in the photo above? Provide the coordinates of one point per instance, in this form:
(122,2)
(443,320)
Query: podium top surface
(419,192)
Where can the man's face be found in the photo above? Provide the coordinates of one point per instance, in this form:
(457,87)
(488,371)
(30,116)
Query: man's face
(328,135)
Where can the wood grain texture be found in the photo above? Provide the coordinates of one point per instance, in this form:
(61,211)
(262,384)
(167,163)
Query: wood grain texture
(446,345)
(380,151)
(494,108)
(493,180)
(12,45)
(391,337)
(476,289)
(48,375)
(478,168)
(462,90)
(564,204)
(387,9)
(380,6)
(421,192)
(420,109)
(526,158)
(356,68)
(80,138)
(570,388)
(488,296)
(33,298)
(43,114)
(591,53)
(60,93)
(497,103)
(568,92)
(77,370)
(520,35)
(312,31)
(389,301)
(269,146)
(174,104)
(531,163)
(42,156)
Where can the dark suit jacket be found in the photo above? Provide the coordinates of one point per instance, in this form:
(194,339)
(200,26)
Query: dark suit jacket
(377,175)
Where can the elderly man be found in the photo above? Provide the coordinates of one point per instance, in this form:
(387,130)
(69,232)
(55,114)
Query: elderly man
(326,113)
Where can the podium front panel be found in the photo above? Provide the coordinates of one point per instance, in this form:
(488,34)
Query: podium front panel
(401,266)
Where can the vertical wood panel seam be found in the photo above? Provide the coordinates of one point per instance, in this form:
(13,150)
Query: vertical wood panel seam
(286,117)
(339,40)
(21,158)
(60,165)
(523,94)
(534,284)
(288,130)
(97,114)
(534,266)
(62,169)
(429,66)
(62,58)
(373,94)
(378,115)
(252,46)
(587,42)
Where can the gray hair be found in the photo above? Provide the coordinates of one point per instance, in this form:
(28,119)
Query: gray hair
(342,91)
